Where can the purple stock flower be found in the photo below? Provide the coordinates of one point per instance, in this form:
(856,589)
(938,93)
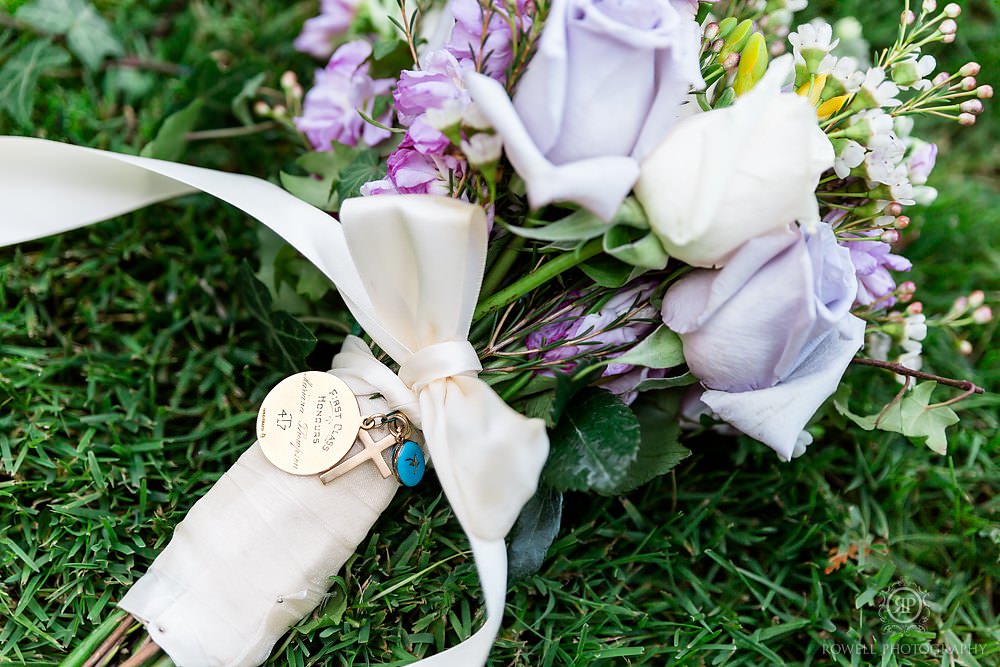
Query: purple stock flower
(872,262)
(921,163)
(330,112)
(436,84)
(576,332)
(319,33)
(413,172)
(473,21)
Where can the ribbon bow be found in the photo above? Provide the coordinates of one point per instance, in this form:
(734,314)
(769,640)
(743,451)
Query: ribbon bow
(409,268)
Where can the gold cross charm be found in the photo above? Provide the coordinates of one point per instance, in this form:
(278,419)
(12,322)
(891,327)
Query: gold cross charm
(399,429)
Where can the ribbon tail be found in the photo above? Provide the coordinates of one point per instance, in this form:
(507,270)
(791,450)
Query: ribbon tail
(51,187)
(491,563)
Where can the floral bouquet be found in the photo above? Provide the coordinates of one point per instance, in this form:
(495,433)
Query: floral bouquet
(570,236)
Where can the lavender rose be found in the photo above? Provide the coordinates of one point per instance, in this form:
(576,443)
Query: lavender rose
(771,334)
(602,91)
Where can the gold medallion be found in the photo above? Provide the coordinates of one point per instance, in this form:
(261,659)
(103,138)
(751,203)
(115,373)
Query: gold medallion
(308,422)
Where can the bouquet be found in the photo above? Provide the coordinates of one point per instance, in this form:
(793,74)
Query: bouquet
(573,236)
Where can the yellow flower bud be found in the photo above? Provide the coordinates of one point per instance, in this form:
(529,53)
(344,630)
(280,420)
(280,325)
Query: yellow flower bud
(753,64)
(831,106)
(813,90)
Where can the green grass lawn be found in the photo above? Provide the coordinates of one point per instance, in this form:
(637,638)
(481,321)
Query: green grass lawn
(131,371)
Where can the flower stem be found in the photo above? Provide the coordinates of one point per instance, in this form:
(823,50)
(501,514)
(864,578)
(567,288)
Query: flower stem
(536,278)
(502,265)
(969,386)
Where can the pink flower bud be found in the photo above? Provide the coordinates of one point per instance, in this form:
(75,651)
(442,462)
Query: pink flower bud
(902,222)
(731,62)
(970,69)
(905,297)
(776,49)
(952,10)
(971,106)
(984,92)
(261,108)
(982,315)
(908,17)
(711,31)
(890,236)
(948,39)
(948,27)
(966,119)
(977,298)
(969,83)
(915,308)
(965,348)
(908,287)
(894,209)
(941,79)
(717,45)
(960,306)
(929,5)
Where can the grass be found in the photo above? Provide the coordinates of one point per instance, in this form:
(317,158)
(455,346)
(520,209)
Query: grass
(130,371)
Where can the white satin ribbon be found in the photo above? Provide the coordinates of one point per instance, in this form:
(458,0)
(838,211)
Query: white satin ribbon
(410,269)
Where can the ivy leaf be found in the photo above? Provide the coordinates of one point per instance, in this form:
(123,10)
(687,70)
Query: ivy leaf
(911,416)
(52,16)
(660,450)
(19,77)
(88,34)
(536,528)
(290,340)
(171,140)
(365,167)
(90,38)
(661,349)
(594,445)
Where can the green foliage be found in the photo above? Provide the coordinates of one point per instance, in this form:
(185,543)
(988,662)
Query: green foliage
(661,349)
(19,77)
(366,166)
(912,415)
(87,33)
(171,140)
(534,532)
(593,445)
(290,340)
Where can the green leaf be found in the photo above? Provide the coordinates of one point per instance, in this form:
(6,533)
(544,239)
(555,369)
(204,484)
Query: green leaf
(320,192)
(660,450)
(911,416)
(577,226)
(594,445)
(90,38)
(241,103)
(634,247)
(653,384)
(536,528)
(366,166)
(171,140)
(290,340)
(309,282)
(51,16)
(19,77)
(607,271)
(661,349)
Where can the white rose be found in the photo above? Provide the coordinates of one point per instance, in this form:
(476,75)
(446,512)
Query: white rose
(723,177)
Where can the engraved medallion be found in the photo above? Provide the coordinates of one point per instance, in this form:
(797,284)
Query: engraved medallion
(308,422)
